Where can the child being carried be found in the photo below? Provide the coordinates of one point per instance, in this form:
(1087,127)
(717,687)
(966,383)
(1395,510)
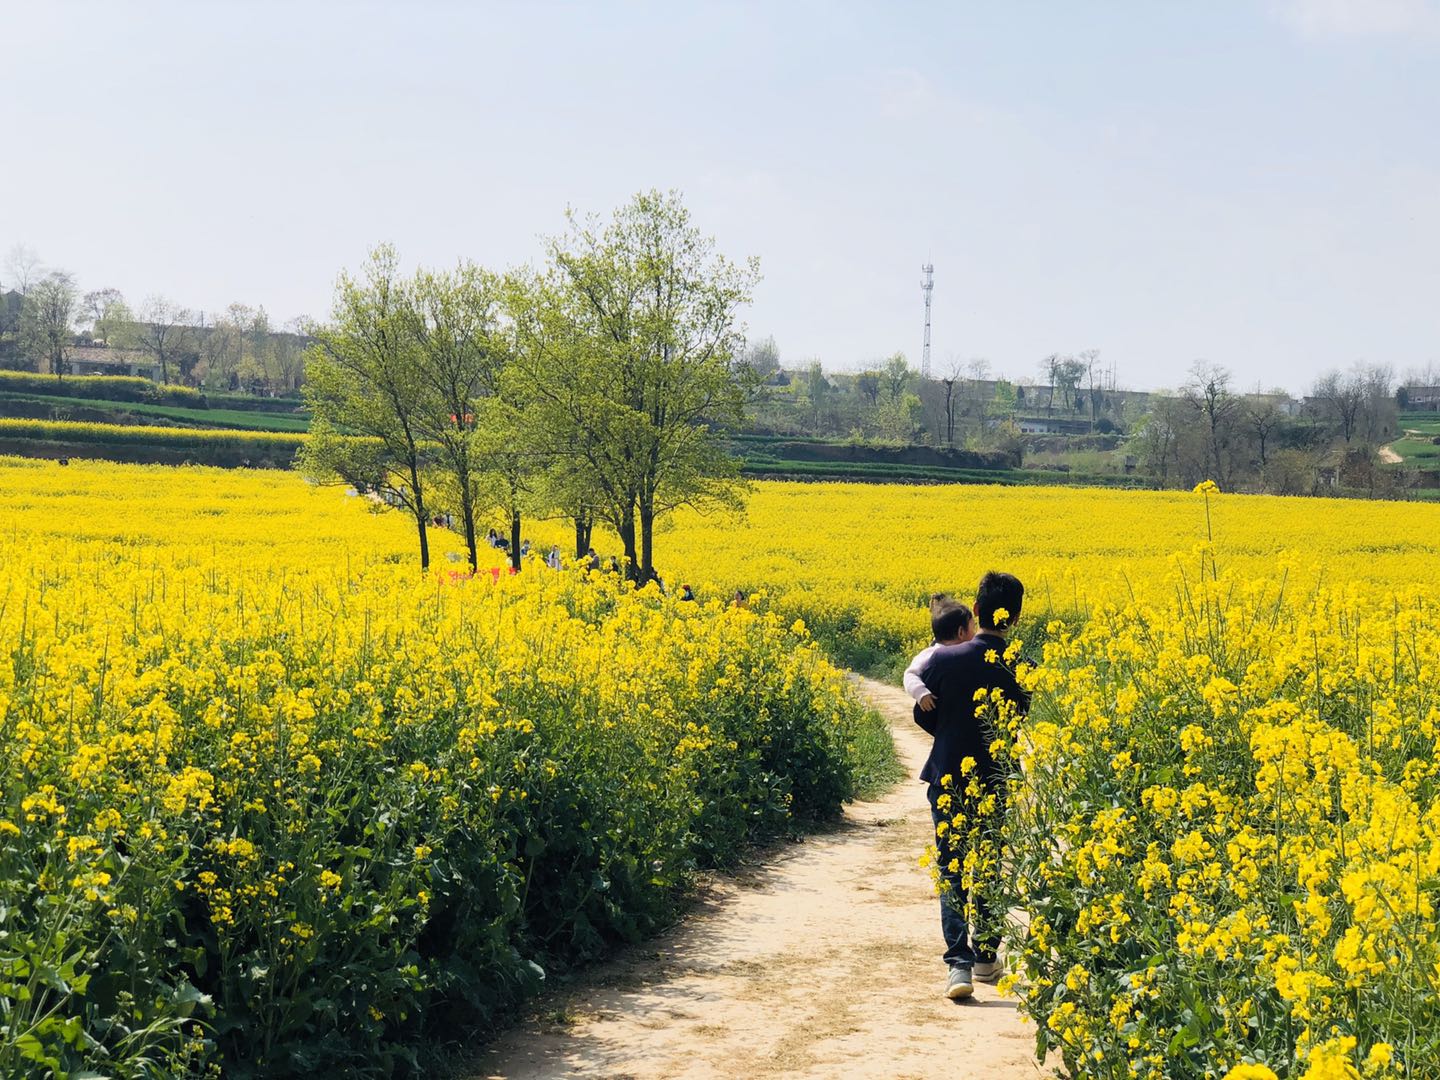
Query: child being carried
(951,623)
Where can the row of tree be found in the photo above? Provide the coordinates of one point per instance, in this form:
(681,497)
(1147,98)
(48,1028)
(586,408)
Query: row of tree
(1209,428)
(1269,441)
(592,389)
(890,401)
(45,318)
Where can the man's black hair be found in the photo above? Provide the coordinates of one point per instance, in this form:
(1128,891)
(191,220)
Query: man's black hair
(998,591)
(947,617)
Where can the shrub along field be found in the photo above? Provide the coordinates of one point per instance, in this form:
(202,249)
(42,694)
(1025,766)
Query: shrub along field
(265,804)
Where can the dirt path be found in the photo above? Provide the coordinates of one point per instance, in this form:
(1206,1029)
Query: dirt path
(1390,457)
(824,962)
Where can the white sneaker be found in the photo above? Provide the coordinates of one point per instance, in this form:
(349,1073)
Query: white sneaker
(960,984)
(988,972)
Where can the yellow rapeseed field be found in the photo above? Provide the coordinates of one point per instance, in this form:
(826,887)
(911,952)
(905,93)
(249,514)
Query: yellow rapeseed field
(273,802)
(1226,835)
(858,561)
(240,724)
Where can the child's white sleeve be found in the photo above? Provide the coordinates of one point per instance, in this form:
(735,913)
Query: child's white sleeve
(914,685)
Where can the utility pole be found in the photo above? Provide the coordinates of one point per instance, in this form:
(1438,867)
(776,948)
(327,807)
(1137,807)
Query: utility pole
(927,286)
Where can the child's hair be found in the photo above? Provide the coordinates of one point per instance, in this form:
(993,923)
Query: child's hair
(998,591)
(948,617)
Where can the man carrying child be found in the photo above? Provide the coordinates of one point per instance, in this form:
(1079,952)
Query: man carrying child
(945,681)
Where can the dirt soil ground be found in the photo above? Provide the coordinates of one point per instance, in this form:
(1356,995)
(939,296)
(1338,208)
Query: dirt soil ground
(824,961)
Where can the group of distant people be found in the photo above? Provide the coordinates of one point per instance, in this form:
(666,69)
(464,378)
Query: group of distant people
(590,561)
(501,542)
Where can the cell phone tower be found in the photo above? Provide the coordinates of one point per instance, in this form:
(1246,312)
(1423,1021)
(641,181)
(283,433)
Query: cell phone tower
(927,286)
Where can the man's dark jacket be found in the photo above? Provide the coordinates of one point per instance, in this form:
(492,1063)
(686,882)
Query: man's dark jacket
(953,674)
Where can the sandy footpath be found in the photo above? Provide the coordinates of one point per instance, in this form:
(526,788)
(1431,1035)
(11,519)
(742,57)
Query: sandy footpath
(822,962)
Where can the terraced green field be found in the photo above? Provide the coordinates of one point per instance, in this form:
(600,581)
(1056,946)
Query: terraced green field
(1417,451)
(235,419)
(1418,446)
(875,472)
(1426,423)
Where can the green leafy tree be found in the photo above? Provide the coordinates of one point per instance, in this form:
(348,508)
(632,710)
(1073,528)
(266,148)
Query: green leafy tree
(513,480)
(629,345)
(453,318)
(818,389)
(867,385)
(898,419)
(1005,401)
(569,487)
(594,441)
(363,379)
(105,310)
(253,367)
(284,357)
(47,317)
(1068,373)
(1156,443)
(897,376)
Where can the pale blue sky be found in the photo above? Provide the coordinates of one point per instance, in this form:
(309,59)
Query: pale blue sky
(1255,183)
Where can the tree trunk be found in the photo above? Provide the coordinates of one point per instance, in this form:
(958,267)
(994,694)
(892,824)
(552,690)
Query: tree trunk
(420,515)
(584,526)
(514,538)
(467,514)
(626,529)
(647,544)
(424,540)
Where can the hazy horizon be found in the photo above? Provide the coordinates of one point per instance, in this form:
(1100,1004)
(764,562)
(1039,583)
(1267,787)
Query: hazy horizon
(1255,184)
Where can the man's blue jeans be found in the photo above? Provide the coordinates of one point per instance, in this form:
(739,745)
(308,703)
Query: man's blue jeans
(959,951)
